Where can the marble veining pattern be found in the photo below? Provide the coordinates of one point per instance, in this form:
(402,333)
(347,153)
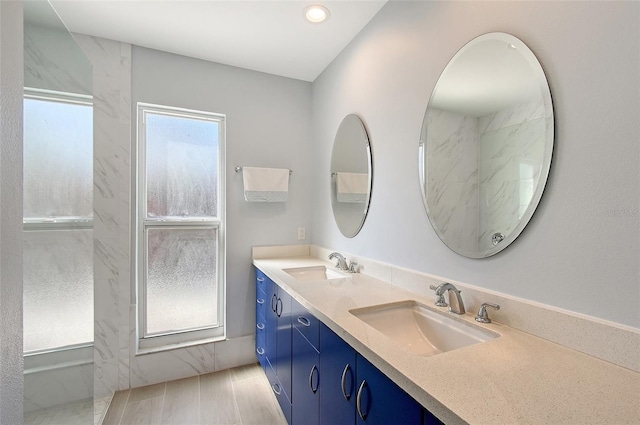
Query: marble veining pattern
(489,165)
(112,181)
(52,61)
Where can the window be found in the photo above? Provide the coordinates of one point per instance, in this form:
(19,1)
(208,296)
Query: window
(58,213)
(180,236)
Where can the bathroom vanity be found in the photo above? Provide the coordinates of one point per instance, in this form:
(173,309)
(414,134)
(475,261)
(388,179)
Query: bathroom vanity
(326,364)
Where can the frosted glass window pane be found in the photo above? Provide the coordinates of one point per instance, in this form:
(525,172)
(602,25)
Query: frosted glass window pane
(181,279)
(58,159)
(181,166)
(58,288)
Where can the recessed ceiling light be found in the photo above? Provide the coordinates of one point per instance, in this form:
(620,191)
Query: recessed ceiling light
(316,13)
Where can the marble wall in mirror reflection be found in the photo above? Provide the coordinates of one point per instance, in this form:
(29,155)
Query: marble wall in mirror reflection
(492,166)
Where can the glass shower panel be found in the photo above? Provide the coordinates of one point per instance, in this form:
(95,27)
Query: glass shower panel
(58,235)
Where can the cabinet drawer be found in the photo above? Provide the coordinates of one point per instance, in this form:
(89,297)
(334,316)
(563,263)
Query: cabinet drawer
(281,396)
(261,307)
(261,282)
(306,323)
(261,339)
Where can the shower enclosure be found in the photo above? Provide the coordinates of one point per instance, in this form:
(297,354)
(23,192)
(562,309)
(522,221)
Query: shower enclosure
(58,223)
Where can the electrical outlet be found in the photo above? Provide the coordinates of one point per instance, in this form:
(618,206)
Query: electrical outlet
(302,233)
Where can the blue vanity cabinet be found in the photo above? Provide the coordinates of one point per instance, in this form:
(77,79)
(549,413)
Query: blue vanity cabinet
(338,379)
(275,338)
(380,401)
(306,382)
(261,321)
(306,323)
(305,366)
(356,392)
(316,376)
(283,343)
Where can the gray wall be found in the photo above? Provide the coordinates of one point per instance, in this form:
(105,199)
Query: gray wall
(268,122)
(11,83)
(581,250)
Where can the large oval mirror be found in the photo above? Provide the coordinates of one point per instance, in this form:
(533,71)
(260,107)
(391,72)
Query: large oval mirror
(351,175)
(486,144)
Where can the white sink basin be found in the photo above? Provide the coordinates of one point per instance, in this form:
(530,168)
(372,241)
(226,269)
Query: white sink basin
(420,330)
(316,273)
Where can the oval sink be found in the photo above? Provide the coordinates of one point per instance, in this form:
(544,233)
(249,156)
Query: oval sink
(316,273)
(421,330)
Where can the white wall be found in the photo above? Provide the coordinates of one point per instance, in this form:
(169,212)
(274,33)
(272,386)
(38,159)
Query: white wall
(11,83)
(581,250)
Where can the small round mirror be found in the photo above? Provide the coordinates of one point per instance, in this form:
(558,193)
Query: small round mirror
(351,176)
(486,145)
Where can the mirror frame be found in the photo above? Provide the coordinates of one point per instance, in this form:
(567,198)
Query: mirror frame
(350,232)
(500,241)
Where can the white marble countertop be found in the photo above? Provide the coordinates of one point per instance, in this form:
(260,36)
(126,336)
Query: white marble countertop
(514,379)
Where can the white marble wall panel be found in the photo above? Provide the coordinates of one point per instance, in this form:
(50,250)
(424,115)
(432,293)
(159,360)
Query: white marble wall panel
(511,153)
(153,368)
(55,386)
(111,62)
(53,61)
(452,177)
(512,116)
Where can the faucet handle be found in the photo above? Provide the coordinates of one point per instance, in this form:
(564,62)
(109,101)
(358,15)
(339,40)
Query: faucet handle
(353,267)
(440,302)
(482,315)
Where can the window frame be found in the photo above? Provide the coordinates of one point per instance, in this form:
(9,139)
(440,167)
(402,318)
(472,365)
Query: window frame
(185,337)
(61,223)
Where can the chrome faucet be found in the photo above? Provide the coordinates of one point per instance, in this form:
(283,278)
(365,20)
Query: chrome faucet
(455,300)
(342,262)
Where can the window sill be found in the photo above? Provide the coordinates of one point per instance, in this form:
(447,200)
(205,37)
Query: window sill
(177,346)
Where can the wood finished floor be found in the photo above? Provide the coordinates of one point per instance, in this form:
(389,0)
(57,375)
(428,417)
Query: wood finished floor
(239,396)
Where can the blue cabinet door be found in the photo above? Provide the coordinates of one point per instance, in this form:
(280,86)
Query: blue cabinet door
(379,401)
(305,382)
(283,343)
(271,322)
(337,379)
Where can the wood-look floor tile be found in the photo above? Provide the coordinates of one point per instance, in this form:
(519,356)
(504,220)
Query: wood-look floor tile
(116,408)
(145,412)
(145,393)
(181,402)
(245,372)
(257,403)
(217,404)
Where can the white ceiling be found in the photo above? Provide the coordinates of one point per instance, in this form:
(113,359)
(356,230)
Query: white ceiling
(268,36)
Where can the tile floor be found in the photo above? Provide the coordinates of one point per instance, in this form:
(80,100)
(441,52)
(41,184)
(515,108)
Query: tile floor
(79,413)
(239,396)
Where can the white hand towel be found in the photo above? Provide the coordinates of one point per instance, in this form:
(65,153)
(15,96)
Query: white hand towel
(265,184)
(352,187)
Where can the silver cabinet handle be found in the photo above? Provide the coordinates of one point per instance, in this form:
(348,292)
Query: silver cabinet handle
(276,388)
(260,326)
(260,351)
(260,279)
(260,301)
(278,301)
(344,378)
(363,416)
(313,369)
(304,321)
(274,302)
